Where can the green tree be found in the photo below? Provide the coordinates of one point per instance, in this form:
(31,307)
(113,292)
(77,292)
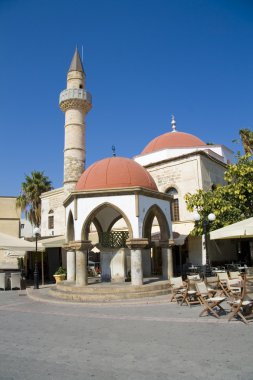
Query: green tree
(239,188)
(29,199)
(230,203)
(246,136)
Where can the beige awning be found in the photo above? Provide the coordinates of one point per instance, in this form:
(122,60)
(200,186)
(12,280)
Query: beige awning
(242,229)
(59,241)
(54,241)
(13,243)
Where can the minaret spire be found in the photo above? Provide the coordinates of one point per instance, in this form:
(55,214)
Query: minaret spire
(76,63)
(75,102)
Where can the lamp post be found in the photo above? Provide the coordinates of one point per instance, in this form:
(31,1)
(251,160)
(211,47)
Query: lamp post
(36,232)
(205,222)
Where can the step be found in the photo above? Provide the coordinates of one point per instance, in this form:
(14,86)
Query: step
(108,288)
(102,296)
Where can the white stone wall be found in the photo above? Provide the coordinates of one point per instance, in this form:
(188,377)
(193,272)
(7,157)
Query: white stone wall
(187,175)
(211,173)
(53,200)
(219,152)
(125,203)
(182,174)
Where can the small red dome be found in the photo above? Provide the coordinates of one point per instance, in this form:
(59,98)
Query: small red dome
(115,172)
(172,140)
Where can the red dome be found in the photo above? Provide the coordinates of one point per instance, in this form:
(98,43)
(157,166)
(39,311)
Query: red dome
(115,172)
(172,140)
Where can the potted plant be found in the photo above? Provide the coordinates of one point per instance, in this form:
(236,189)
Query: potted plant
(60,274)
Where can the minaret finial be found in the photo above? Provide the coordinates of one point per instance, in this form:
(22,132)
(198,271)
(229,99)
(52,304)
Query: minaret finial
(113,151)
(173,123)
(76,63)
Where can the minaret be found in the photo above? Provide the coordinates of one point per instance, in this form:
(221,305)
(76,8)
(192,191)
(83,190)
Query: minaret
(75,102)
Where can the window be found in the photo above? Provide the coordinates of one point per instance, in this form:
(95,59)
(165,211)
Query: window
(22,226)
(174,205)
(50,220)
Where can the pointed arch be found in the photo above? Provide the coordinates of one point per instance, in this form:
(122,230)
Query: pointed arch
(86,229)
(155,212)
(70,236)
(113,222)
(92,218)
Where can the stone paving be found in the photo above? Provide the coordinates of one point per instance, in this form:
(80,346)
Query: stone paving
(135,339)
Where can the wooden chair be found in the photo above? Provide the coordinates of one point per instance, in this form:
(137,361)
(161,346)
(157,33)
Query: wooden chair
(208,302)
(235,275)
(242,305)
(193,276)
(178,287)
(212,284)
(227,286)
(190,295)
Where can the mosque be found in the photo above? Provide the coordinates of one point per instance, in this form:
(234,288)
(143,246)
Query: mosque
(132,211)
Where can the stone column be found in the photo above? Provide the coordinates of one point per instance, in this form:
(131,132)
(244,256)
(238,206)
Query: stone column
(136,246)
(71,265)
(167,259)
(81,250)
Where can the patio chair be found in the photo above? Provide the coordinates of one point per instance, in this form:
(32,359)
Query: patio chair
(228,286)
(193,277)
(190,295)
(242,305)
(212,284)
(235,275)
(249,272)
(15,280)
(178,287)
(208,302)
(3,281)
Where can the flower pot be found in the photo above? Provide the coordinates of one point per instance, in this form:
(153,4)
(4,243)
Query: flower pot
(59,277)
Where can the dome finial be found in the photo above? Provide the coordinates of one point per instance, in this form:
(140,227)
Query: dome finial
(173,123)
(113,151)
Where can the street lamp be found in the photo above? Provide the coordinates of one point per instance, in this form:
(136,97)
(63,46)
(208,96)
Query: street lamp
(205,222)
(36,232)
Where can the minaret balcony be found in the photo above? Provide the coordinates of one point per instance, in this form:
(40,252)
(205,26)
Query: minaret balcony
(75,97)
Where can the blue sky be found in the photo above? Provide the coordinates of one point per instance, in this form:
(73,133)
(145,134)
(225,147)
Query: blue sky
(144,60)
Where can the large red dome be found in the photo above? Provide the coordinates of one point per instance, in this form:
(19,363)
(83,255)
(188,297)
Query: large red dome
(172,140)
(115,172)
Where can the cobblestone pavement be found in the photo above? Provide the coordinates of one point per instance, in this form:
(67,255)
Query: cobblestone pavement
(140,339)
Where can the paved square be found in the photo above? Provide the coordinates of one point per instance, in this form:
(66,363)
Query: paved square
(131,340)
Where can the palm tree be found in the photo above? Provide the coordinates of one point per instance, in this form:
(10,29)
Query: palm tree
(29,199)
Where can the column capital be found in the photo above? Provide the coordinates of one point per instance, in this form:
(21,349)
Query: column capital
(137,243)
(166,243)
(67,247)
(80,245)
